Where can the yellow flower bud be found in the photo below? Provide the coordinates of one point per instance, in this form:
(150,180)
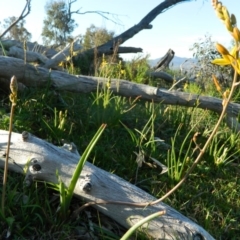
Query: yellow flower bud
(225,97)
(233,19)
(216,82)
(14,85)
(236,34)
(221,49)
(220,15)
(225,13)
(214,3)
(14,89)
(226,94)
(219,6)
(228,24)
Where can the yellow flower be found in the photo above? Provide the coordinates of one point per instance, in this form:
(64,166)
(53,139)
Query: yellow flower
(68,58)
(221,49)
(122,72)
(185,86)
(218,87)
(236,34)
(225,97)
(108,84)
(227,58)
(104,63)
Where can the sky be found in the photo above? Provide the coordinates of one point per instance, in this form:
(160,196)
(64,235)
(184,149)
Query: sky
(177,28)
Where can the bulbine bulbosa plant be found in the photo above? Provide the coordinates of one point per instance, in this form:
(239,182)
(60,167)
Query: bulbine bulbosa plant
(66,194)
(228,58)
(13,99)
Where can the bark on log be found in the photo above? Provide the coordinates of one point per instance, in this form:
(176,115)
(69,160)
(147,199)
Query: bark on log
(61,56)
(27,149)
(29,56)
(49,58)
(32,76)
(163,75)
(32,47)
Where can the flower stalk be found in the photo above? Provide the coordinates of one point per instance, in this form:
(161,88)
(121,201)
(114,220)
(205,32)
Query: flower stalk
(13,99)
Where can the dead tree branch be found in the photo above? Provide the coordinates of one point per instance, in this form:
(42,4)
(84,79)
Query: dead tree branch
(25,12)
(143,24)
(164,62)
(101,13)
(48,57)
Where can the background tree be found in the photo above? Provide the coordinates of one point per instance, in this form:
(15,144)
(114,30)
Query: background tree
(96,36)
(18,31)
(58,24)
(205,51)
(26,10)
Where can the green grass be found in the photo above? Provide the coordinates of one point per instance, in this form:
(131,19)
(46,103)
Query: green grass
(211,195)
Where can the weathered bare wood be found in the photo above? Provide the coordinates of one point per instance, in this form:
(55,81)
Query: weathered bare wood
(143,24)
(27,149)
(35,52)
(49,58)
(120,49)
(32,76)
(32,57)
(163,75)
(164,61)
(61,56)
(31,46)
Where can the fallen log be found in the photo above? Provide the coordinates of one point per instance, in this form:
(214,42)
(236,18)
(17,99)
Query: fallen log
(49,58)
(32,76)
(31,46)
(28,56)
(163,75)
(28,150)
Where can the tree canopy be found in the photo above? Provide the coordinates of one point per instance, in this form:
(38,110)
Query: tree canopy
(96,36)
(18,31)
(58,24)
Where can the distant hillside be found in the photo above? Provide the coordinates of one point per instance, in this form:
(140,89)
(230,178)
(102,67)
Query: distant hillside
(176,62)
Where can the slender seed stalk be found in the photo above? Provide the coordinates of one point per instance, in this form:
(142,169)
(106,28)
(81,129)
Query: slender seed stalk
(13,99)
